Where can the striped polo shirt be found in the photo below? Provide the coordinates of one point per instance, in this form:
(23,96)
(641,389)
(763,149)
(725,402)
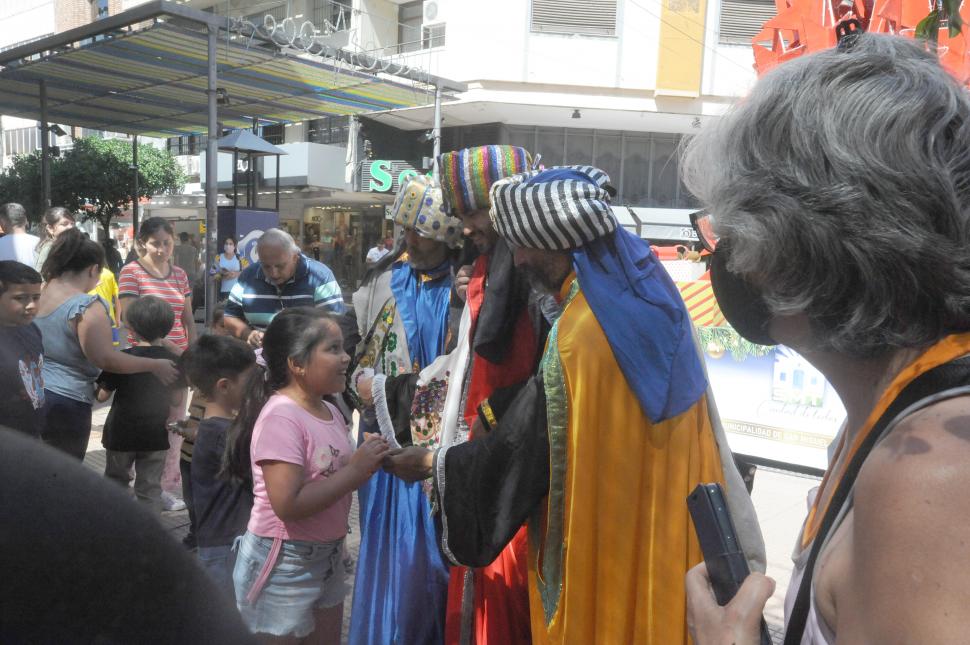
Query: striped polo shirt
(134,281)
(257,300)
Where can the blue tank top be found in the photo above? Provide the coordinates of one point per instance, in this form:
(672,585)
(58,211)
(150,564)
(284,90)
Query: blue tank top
(67,371)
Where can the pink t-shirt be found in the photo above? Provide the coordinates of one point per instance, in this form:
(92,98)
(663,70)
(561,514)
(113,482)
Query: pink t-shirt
(286,432)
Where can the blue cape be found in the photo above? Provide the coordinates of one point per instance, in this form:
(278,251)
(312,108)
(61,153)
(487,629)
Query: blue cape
(422,300)
(645,321)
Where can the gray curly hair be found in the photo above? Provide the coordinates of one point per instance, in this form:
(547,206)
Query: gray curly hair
(842,184)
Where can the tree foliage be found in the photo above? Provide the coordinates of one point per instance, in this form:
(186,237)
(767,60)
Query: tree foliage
(94,178)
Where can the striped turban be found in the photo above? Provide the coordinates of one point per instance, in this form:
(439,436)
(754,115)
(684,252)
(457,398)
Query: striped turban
(556,209)
(467,175)
(418,206)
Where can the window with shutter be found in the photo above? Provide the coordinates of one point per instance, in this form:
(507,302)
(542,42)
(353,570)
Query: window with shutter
(741,20)
(593,17)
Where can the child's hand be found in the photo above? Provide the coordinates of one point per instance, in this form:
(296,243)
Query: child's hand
(368,457)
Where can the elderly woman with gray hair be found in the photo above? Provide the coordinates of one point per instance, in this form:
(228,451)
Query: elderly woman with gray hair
(838,196)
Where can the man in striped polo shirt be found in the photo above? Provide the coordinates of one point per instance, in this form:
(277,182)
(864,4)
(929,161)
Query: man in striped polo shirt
(284,277)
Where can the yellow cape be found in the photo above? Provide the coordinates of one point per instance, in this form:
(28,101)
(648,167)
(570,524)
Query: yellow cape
(612,543)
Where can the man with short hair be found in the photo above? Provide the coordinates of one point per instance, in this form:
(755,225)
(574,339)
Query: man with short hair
(375,254)
(598,451)
(283,277)
(17,244)
(186,257)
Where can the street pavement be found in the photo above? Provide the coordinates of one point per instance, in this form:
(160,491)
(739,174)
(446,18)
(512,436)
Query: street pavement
(779,499)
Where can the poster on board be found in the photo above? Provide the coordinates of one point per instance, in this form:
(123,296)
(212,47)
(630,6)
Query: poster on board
(773,403)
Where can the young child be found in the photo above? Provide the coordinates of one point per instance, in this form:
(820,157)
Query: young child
(135,432)
(187,429)
(289,575)
(218,367)
(21,349)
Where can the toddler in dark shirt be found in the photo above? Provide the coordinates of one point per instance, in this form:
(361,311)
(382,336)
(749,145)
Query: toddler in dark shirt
(218,367)
(135,432)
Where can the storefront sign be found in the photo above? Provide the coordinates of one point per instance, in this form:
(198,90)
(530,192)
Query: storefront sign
(383,175)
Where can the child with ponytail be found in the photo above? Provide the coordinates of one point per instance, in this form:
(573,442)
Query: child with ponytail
(295,449)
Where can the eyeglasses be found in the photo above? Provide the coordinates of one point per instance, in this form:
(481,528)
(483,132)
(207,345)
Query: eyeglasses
(703,223)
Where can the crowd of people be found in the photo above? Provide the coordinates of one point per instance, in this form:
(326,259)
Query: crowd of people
(522,431)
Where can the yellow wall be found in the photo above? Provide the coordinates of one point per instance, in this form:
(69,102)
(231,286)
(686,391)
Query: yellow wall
(681,56)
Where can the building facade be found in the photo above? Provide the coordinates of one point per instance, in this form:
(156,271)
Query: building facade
(614,83)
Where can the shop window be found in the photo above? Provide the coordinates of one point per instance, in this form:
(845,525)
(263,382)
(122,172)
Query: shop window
(551,144)
(636,171)
(741,20)
(643,167)
(607,155)
(591,17)
(664,180)
(273,134)
(410,15)
(522,136)
(100,9)
(332,130)
(579,147)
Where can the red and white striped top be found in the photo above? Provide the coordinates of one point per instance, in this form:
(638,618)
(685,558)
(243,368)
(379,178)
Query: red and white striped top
(174,288)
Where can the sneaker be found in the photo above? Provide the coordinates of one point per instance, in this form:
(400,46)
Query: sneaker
(172,503)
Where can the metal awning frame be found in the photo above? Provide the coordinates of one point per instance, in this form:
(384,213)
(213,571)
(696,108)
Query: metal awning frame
(156,11)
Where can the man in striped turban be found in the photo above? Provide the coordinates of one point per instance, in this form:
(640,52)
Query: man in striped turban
(599,450)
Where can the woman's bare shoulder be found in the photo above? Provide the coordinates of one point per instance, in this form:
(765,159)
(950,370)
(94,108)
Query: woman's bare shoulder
(911,522)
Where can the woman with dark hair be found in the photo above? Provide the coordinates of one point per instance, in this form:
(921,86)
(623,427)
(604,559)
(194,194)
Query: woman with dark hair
(54,221)
(76,330)
(154,274)
(839,219)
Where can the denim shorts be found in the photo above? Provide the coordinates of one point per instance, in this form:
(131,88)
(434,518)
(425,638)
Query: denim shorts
(308,576)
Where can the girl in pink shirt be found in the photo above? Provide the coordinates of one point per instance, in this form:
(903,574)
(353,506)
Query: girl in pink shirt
(289,575)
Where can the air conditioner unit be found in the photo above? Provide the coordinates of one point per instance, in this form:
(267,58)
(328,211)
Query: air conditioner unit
(434,11)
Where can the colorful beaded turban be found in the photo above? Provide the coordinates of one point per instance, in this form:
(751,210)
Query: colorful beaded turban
(418,206)
(467,175)
(555,209)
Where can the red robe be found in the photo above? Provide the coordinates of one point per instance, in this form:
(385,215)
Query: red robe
(501,593)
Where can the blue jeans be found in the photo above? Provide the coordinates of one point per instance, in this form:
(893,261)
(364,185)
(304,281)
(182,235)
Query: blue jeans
(218,562)
(67,424)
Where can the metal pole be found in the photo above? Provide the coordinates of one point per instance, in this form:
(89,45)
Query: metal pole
(235,188)
(45,150)
(134,202)
(436,132)
(212,179)
(277,184)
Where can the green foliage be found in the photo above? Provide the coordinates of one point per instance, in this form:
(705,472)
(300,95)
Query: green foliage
(725,338)
(21,183)
(928,28)
(94,178)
